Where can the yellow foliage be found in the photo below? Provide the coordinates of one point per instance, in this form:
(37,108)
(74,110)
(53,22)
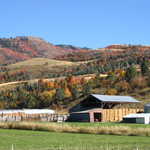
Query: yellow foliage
(120,73)
(2,105)
(111,92)
(48,94)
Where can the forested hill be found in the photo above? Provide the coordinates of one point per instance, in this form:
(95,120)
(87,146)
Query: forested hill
(113,70)
(27,58)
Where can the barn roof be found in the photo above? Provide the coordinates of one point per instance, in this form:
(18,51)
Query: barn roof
(115,99)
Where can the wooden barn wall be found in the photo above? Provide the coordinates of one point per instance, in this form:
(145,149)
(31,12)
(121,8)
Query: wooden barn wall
(115,115)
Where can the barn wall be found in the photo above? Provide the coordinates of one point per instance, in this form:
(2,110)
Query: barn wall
(79,117)
(115,115)
(108,115)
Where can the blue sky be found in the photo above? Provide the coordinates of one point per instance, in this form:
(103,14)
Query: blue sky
(90,23)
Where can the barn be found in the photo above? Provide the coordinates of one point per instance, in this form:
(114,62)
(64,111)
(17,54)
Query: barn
(102,108)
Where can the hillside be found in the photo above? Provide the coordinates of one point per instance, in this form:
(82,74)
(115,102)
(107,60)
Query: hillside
(26,58)
(60,76)
(39,68)
(18,49)
(24,48)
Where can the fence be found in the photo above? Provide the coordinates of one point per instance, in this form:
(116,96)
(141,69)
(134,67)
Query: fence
(33,117)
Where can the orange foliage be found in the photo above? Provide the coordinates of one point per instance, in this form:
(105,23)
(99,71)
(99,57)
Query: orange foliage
(67,92)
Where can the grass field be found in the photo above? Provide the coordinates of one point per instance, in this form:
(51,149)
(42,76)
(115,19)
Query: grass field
(39,62)
(83,128)
(38,140)
(132,125)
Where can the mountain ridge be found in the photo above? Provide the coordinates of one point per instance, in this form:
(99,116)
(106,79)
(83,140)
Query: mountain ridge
(23,48)
(17,49)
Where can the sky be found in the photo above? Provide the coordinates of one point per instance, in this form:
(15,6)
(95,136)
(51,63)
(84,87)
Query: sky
(84,23)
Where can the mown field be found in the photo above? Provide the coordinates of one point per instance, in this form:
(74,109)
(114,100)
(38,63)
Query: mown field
(39,140)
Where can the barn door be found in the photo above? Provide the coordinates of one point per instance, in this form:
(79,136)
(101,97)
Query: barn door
(97,117)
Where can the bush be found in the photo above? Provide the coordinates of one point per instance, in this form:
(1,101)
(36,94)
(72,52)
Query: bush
(139,82)
(122,86)
(111,92)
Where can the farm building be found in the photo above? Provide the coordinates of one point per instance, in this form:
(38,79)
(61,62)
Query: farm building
(141,118)
(101,108)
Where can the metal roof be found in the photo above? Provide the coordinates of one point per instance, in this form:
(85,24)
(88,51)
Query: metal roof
(116,99)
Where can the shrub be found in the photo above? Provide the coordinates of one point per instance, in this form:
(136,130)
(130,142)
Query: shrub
(138,82)
(122,86)
(111,91)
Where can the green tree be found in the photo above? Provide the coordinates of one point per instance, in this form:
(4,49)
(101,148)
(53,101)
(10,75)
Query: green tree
(130,73)
(59,94)
(75,93)
(144,67)
(87,89)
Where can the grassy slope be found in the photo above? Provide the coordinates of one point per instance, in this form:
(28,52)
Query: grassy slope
(38,64)
(38,67)
(33,140)
(40,61)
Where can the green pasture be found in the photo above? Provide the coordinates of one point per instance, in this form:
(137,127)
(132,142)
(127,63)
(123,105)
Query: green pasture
(133,125)
(38,140)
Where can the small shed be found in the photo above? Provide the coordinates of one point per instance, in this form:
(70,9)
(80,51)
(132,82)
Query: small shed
(147,108)
(100,108)
(141,118)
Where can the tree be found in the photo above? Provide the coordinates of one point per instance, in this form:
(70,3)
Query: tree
(130,73)
(86,89)
(59,94)
(75,92)
(144,67)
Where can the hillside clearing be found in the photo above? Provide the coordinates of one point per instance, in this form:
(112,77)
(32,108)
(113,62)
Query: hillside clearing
(41,61)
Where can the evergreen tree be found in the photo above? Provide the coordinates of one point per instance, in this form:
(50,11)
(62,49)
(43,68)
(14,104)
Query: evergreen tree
(75,92)
(130,73)
(59,94)
(144,67)
(86,89)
